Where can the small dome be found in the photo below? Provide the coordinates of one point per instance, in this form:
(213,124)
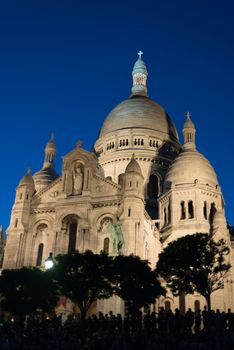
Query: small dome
(51,145)
(133,166)
(139,67)
(27,180)
(189,167)
(189,124)
(44,177)
(140,112)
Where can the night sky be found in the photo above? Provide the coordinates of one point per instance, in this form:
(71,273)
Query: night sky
(64,65)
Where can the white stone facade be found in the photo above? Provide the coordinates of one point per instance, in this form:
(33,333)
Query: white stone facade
(138,191)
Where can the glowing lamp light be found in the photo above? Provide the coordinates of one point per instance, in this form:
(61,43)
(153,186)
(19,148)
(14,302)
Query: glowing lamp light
(49,263)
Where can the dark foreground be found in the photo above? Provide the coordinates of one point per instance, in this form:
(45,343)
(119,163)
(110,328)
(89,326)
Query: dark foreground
(164,331)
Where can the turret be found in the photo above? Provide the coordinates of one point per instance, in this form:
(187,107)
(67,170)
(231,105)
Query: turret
(50,153)
(47,174)
(132,183)
(133,179)
(19,222)
(139,76)
(189,132)
(24,193)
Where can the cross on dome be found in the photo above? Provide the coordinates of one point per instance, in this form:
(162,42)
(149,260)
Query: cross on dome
(140,53)
(188,115)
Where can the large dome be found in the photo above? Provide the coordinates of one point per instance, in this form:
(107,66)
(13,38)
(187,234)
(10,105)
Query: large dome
(139,111)
(189,167)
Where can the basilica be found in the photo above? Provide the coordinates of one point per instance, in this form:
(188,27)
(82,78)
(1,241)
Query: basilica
(135,192)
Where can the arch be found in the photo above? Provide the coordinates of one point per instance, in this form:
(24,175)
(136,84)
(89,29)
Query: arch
(109,178)
(190,210)
(106,245)
(153,187)
(40,254)
(65,218)
(45,219)
(182,211)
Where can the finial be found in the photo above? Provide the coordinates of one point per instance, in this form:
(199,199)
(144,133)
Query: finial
(52,136)
(188,115)
(133,156)
(29,171)
(79,143)
(140,53)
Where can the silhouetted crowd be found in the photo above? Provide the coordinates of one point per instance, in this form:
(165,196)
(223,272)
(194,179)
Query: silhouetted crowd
(164,330)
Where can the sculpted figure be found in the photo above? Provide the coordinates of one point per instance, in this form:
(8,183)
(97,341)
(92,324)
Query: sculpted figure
(116,237)
(77,180)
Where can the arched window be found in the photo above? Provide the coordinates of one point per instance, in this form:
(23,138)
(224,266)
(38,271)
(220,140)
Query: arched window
(129,211)
(165,216)
(72,237)
(153,187)
(197,306)
(16,223)
(21,196)
(212,212)
(167,305)
(182,211)
(106,244)
(190,210)
(169,214)
(205,210)
(40,254)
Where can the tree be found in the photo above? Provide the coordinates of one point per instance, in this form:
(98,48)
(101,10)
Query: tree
(135,282)
(27,290)
(194,263)
(83,278)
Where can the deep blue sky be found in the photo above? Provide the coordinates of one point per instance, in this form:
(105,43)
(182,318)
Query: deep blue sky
(64,65)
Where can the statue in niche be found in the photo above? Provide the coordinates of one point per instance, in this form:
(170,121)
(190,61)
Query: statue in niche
(41,230)
(116,237)
(77,179)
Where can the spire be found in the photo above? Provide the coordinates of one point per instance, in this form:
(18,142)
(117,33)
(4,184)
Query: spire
(50,152)
(189,133)
(139,76)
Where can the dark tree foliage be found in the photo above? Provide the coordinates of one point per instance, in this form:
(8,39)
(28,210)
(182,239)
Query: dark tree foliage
(194,263)
(26,291)
(135,282)
(83,278)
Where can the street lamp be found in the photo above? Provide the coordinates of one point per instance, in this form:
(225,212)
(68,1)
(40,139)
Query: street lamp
(49,262)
